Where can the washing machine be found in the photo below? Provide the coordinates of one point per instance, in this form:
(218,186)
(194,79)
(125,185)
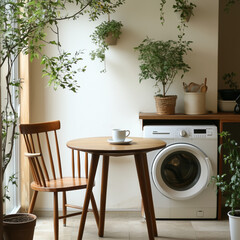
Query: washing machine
(180,173)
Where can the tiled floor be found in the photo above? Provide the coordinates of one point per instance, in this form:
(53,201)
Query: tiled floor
(130,225)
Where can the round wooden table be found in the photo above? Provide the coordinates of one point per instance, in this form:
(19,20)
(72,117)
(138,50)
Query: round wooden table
(100,146)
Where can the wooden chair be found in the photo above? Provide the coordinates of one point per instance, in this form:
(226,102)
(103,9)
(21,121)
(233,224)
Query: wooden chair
(41,136)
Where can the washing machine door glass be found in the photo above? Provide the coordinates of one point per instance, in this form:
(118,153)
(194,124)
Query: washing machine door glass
(181,171)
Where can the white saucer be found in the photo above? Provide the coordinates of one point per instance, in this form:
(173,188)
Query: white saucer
(126,141)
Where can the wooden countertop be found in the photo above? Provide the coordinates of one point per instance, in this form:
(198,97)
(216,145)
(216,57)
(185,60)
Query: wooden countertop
(221,116)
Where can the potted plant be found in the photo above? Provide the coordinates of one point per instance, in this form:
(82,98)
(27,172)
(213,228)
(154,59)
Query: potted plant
(185,8)
(232,92)
(229,183)
(19,226)
(105,34)
(161,61)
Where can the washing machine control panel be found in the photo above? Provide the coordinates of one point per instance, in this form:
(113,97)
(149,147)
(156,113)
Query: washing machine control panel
(194,133)
(180,132)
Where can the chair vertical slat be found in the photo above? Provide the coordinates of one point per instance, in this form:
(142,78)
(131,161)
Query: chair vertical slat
(40,172)
(32,146)
(50,156)
(86,165)
(79,164)
(34,172)
(31,163)
(58,154)
(42,158)
(32,160)
(73,164)
(36,163)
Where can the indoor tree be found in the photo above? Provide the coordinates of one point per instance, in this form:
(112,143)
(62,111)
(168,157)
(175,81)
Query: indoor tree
(23,29)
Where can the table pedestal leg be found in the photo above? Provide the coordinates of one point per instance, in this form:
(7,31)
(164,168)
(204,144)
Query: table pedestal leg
(93,168)
(147,201)
(103,195)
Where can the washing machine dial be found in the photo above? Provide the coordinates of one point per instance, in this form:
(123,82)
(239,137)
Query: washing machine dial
(182,133)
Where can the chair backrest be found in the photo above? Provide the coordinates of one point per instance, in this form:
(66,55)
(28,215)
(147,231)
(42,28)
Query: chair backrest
(42,145)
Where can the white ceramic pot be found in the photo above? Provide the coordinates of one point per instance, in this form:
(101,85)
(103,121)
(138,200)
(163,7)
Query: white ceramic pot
(234,224)
(194,103)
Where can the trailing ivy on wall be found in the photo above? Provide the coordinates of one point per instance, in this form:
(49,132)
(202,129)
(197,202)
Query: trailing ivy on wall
(185,9)
(106,33)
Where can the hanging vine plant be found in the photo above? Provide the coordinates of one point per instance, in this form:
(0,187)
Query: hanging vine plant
(185,10)
(105,34)
(184,7)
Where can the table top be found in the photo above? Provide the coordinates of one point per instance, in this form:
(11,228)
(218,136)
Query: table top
(100,145)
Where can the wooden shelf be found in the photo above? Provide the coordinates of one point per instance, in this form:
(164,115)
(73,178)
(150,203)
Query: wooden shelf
(221,116)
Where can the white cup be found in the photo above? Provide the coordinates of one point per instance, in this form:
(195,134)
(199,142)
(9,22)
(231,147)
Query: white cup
(119,135)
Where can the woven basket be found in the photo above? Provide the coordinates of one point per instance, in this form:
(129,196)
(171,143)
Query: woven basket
(165,105)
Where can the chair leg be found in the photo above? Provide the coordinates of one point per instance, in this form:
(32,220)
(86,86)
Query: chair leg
(55,215)
(33,201)
(95,210)
(64,209)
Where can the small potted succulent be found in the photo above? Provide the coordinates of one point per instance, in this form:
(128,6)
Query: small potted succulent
(161,61)
(105,34)
(229,183)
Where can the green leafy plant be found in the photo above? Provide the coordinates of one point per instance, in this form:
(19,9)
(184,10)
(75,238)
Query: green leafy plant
(229,80)
(23,29)
(184,7)
(12,180)
(100,34)
(229,4)
(102,7)
(230,187)
(161,61)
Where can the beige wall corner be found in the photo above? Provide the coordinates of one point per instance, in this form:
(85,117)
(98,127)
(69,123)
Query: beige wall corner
(24,118)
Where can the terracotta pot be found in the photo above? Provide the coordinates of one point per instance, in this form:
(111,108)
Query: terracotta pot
(165,105)
(110,39)
(19,226)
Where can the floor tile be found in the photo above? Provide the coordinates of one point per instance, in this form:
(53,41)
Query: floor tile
(131,226)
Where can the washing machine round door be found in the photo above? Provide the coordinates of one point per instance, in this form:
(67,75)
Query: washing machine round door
(181,171)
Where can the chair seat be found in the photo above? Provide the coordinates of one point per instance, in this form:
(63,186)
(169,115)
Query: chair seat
(61,184)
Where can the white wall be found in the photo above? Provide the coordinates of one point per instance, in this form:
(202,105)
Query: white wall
(114,99)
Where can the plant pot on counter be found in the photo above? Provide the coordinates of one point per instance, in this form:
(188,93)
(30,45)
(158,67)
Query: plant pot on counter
(165,105)
(194,103)
(19,226)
